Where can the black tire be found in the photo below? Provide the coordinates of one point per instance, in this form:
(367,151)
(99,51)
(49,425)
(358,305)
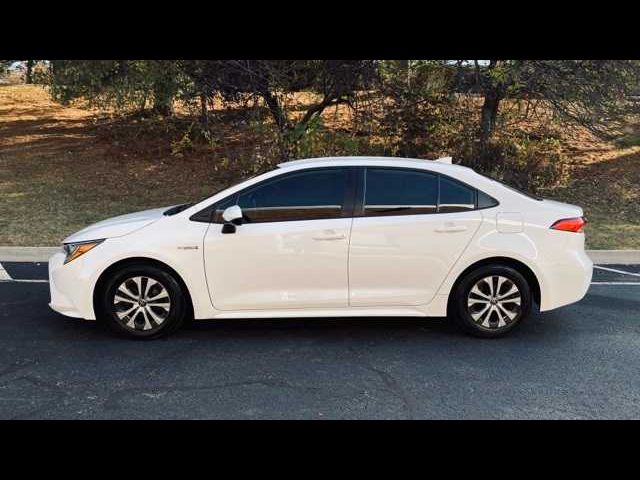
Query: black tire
(170,317)
(465,305)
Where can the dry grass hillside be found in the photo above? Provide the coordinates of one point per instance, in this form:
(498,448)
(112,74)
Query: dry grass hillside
(62,168)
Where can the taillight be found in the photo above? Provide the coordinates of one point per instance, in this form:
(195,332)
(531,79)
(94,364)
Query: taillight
(570,224)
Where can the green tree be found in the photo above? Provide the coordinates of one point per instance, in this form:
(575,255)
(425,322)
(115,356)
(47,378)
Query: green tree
(596,94)
(273,81)
(28,77)
(121,84)
(417,106)
(4,66)
(29,67)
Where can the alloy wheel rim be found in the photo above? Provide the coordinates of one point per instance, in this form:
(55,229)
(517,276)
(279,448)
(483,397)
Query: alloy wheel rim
(494,302)
(142,303)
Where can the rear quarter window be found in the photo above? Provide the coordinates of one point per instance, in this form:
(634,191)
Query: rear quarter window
(455,196)
(486,201)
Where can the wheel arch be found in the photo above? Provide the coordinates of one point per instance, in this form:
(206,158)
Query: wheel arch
(139,261)
(521,267)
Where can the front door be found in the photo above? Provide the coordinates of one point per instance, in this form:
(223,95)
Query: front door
(291,250)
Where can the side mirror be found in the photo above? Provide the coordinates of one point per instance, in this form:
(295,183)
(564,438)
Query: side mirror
(232,216)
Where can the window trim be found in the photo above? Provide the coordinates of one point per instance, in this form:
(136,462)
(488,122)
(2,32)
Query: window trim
(207,214)
(359,206)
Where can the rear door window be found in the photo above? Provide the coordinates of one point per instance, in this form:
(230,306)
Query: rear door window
(396,191)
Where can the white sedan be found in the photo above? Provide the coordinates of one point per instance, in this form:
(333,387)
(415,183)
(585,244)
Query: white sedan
(331,237)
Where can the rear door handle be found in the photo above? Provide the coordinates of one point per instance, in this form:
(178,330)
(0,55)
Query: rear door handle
(330,235)
(451,228)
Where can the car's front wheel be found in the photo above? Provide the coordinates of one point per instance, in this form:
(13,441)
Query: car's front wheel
(491,300)
(143,301)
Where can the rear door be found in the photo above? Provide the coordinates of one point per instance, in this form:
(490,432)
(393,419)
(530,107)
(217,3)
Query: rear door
(414,225)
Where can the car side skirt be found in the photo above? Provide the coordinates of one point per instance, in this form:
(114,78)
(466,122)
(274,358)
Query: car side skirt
(436,308)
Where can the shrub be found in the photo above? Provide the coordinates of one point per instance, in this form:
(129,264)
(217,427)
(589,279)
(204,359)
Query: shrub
(320,141)
(530,164)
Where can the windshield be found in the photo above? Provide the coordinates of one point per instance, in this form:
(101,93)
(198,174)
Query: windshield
(184,206)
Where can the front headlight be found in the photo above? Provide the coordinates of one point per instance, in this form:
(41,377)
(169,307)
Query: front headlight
(74,250)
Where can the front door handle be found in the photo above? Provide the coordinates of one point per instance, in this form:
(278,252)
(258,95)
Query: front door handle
(451,228)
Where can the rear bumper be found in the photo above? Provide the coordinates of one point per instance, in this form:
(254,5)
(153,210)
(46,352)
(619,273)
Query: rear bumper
(566,281)
(67,287)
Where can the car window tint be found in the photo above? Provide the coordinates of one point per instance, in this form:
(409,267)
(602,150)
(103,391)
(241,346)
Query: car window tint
(400,192)
(455,197)
(486,201)
(307,195)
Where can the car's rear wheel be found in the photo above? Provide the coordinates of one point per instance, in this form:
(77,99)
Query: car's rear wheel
(491,301)
(143,301)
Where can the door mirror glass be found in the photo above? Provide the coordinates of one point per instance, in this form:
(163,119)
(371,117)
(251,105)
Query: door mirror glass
(233,215)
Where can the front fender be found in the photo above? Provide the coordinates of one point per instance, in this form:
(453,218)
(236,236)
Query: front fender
(166,246)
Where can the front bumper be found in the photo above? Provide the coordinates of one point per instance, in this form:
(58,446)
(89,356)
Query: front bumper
(68,288)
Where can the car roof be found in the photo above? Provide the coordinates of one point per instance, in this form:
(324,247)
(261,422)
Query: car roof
(442,164)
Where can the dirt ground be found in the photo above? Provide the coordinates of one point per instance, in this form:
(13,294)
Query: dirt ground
(62,168)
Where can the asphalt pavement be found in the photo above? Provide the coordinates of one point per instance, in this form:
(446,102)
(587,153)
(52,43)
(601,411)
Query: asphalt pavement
(580,361)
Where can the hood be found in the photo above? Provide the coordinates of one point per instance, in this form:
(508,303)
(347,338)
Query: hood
(117,226)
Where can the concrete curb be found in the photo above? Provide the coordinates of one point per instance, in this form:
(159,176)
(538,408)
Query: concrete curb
(42,254)
(604,257)
(27,254)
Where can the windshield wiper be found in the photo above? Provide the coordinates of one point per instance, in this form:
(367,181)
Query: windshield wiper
(177,209)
